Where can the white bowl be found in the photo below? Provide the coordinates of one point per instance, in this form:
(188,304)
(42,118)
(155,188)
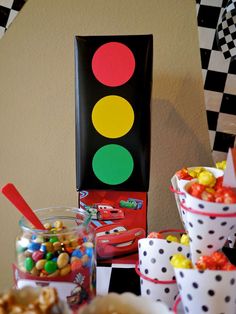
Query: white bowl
(125,303)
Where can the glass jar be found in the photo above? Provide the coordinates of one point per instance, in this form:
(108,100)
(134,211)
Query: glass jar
(62,256)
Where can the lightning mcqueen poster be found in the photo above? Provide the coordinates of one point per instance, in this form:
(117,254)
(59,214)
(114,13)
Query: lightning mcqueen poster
(119,220)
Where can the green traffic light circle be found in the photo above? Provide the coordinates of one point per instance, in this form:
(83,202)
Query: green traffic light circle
(112,164)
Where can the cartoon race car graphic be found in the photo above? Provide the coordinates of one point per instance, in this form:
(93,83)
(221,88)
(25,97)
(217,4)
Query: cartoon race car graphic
(131,203)
(105,212)
(115,240)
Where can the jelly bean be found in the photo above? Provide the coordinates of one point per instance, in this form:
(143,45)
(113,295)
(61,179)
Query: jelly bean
(40,264)
(65,270)
(53,239)
(27,253)
(73,258)
(85,260)
(76,265)
(58,224)
(88,244)
(43,248)
(52,256)
(29,264)
(172,238)
(89,252)
(49,256)
(33,237)
(74,243)
(180,261)
(54,274)
(34,271)
(69,250)
(34,246)
(47,226)
(37,255)
(49,246)
(77,253)
(57,246)
(61,238)
(50,267)
(63,260)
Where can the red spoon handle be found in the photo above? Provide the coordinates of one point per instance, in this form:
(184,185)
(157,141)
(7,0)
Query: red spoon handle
(12,194)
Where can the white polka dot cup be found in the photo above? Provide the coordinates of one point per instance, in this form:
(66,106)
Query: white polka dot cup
(154,264)
(210,291)
(208,224)
(179,197)
(179,188)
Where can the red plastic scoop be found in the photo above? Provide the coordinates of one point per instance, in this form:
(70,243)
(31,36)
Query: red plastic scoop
(10,191)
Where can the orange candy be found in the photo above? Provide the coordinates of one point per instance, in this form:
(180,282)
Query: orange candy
(76,264)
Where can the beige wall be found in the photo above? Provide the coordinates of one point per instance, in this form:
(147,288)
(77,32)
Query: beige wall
(37,102)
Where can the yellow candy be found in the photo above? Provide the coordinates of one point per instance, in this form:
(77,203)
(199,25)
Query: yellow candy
(184,239)
(221,165)
(207,178)
(180,261)
(65,270)
(58,224)
(47,226)
(172,238)
(192,173)
(195,172)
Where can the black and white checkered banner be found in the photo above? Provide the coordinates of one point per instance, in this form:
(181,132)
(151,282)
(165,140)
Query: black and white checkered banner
(226,30)
(8,11)
(219,77)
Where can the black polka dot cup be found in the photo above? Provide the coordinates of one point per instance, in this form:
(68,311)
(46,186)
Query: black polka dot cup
(157,277)
(209,291)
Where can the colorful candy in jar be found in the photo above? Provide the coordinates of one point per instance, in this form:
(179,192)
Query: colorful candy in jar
(54,255)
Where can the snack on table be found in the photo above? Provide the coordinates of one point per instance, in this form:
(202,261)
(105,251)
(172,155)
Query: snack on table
(32,301)
(126,303)
(215,261)
(190,173)
(183,239)
(212,193)
(56,253)
(208,286)
(221,165)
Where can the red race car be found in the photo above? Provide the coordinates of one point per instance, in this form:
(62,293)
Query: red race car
(108,212)
(115,240)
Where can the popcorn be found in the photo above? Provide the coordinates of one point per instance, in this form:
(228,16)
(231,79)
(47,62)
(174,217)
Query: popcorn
(32,301)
